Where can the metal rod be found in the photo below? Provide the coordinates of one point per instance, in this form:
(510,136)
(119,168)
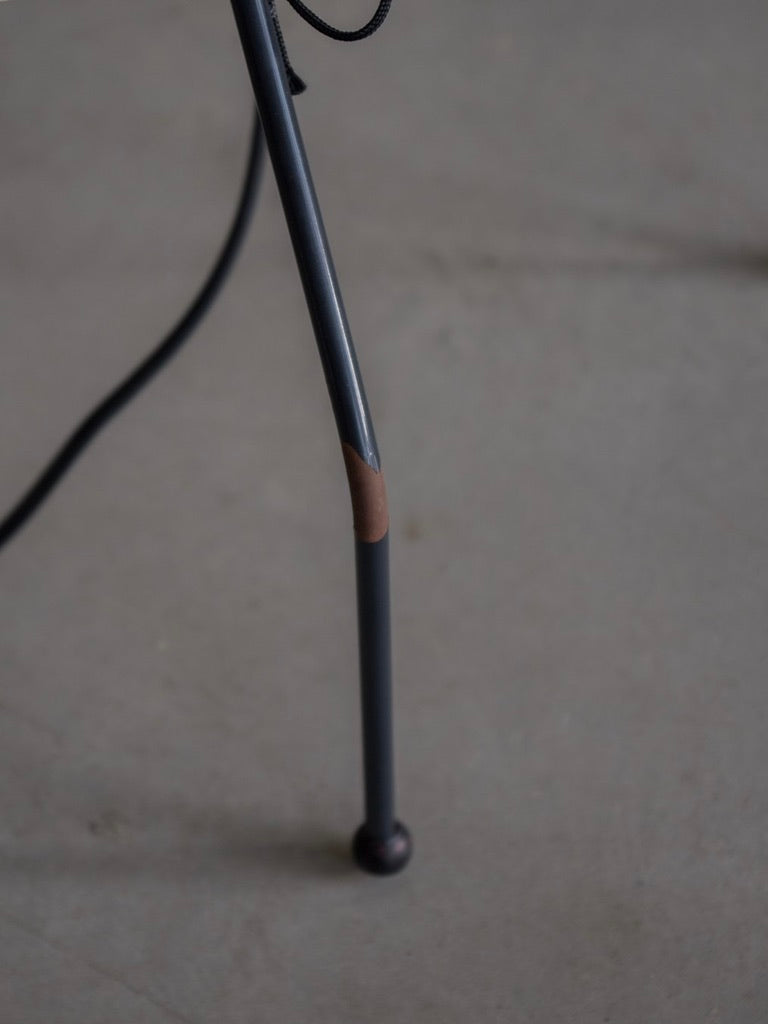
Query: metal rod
(381,845)
(372,562)
(318,276)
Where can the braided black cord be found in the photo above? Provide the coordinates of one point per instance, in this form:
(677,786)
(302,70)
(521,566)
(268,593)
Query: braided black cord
(155,361)
(295,84)
(336,33)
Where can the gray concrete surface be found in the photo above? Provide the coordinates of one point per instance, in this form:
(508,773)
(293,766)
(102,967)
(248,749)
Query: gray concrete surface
(551,227)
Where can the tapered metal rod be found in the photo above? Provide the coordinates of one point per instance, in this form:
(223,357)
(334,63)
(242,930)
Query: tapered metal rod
(381,845)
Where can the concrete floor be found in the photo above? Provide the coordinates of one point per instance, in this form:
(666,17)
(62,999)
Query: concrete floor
(551,227)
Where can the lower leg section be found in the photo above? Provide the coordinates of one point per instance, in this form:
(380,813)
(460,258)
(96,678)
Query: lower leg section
(381,845)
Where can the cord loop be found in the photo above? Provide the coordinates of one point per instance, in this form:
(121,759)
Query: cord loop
(296,85)
(342,35)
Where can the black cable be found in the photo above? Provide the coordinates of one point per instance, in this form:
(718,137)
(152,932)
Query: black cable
(336,33)
(295,84)
(153,363)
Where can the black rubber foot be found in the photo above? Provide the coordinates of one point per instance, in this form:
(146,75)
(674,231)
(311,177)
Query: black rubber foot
(383,856)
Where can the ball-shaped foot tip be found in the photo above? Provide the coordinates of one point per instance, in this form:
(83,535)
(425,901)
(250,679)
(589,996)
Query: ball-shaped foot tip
(382,856)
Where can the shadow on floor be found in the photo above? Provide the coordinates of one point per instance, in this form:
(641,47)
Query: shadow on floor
(202,845)
(660,253)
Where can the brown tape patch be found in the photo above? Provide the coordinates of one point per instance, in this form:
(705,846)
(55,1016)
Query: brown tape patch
(369,497)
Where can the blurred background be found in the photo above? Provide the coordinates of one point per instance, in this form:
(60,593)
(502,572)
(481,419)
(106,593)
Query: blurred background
(550,223)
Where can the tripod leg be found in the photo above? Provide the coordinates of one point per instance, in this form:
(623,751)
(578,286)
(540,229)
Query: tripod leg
(381,845)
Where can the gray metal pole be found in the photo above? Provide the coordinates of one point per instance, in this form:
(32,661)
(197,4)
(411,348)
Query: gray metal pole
(382,845)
